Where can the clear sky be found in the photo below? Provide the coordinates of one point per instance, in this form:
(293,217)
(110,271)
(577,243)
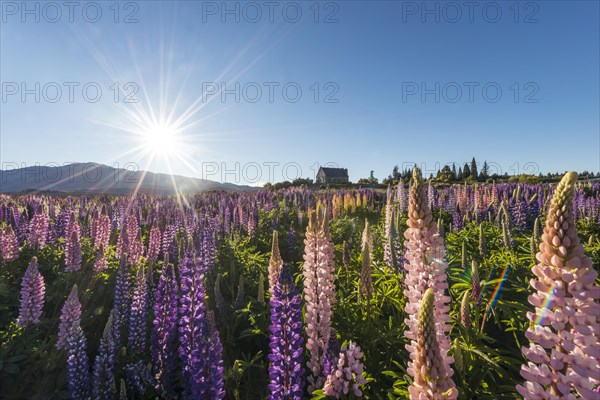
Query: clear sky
(249,92)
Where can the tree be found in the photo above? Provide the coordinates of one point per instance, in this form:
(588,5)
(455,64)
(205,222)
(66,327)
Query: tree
(454,171)
(466,172)
(460,173)
(474,169)
(372,179)
(396,173)
(483,175)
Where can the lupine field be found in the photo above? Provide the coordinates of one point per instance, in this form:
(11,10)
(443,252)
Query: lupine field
(419,291)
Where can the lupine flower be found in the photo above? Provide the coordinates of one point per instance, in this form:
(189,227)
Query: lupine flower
(219,300)
(239,297)
(457,355)
(319,294)
(346,254)
(139,377)
(103,378)
(261,289)
(123,391)
(153,244)
(33,290)
(441,229)
(101,233)
(100,263)
(38,228)
(137,316)
(121,299)
(9,245)
(192,327)
(71,312)
(366,280)
(425,269)
(285,370)
(275,262)
(347,374)
(215,360)
(465,310)
(73,252)
(164,332)
(506,238)
(564,339)
(429,369)
(78,365)
(291,239)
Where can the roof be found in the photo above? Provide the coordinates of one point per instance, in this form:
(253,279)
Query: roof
(335,172)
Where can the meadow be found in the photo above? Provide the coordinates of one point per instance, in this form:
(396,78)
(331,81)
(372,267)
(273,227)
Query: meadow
(421,291)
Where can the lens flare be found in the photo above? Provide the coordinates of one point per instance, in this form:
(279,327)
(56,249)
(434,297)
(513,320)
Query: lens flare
(498,289)
(539,320)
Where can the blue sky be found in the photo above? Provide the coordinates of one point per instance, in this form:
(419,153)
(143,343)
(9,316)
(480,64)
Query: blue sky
(382,83)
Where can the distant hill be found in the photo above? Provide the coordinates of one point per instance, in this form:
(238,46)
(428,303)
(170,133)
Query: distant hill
(98,178)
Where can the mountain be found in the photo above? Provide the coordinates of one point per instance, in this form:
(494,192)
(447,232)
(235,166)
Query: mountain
(99,178)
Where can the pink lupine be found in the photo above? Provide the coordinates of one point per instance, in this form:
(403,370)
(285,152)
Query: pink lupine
(275,262)
(429,369)
(71,313)
(101,230)
(425,268)
(346,376)
(9,245)
(153,244)
(38,228)
(33,290)
(73,252)
(100,263)
(319,294)
(564,345)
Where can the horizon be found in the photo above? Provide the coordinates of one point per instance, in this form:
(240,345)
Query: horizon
(239,93)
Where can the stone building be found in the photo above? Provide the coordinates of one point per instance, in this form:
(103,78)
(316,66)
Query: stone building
(332,175)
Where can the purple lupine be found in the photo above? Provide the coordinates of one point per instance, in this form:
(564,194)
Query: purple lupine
(332,354)
(78,364)
(139,377)
(73,252)
(9,245)
(153,244)
(192,327)
(121,299)
(38,228)
(103,378)
(71,313)
(164,332)
(138,313)
(215,364)
(33,290)
(285,371)
(291,240)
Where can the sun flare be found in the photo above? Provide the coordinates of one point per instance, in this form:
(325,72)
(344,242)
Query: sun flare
(161,139)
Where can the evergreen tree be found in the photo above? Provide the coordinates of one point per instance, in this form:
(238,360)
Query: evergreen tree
(474,169)
(466,172)
(454,170)
(484,174)
(460,174)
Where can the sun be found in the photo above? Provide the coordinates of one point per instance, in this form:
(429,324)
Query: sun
(161,139)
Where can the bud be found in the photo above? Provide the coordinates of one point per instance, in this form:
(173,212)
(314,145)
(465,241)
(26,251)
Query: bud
(465,310)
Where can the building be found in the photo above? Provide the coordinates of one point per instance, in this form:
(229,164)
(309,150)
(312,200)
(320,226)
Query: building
(332,175)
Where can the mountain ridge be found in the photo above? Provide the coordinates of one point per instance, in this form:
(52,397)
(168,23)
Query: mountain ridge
(92,178)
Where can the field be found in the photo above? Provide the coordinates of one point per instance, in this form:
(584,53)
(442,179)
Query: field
(302,293)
